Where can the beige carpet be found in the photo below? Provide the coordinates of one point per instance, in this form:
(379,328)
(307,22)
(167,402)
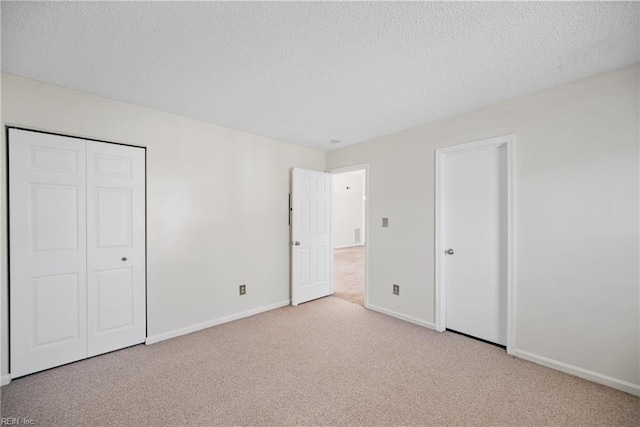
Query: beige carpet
(326,362)
(348,274)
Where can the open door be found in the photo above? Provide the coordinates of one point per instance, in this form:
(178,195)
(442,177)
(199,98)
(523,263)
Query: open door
(310,235)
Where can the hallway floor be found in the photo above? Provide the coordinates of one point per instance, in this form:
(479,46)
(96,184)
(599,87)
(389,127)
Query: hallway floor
(348,274)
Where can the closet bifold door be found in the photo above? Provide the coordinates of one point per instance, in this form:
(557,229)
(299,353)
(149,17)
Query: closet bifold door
(47,217)
(77,249)
(115,246)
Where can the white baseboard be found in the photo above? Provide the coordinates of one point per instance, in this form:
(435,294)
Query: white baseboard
(580,372)
(409,319)
(348,246)
(5,379)
(204,325)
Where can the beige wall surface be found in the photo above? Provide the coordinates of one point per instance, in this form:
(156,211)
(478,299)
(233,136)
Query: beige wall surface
(577,218)
(217,202)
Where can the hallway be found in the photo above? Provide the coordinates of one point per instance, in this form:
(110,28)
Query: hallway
(348,279)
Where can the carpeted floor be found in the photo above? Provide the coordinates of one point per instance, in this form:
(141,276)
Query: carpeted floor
(348,274)
(325,362)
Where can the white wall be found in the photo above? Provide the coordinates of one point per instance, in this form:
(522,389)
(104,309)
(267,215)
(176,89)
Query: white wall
(347,208)
(577,185)
(217,202)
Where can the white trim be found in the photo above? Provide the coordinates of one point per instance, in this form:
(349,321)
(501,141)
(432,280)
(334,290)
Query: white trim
(579,372)
(511,244)
(353,168)
(349,246)
(404,317)
(204,325)
(440,279)
(5,379)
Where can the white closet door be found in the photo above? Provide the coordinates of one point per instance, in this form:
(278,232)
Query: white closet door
(476,235)
(47,217)
(115,246)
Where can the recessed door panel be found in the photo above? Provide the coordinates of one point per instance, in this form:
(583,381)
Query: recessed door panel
(321,216)
(321,258)
(57,309)
(305,263)
(114,299)
(305,216)
(114,218)
(321,187)
(51,159)
(113,166)
(53,210)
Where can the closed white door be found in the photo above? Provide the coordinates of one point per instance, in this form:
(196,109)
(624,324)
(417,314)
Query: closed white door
(47,217)
(115,246)
(311,235)
(476,243)
(77,249)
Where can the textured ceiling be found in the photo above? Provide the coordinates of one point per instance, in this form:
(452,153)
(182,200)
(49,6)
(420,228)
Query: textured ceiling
(308,72)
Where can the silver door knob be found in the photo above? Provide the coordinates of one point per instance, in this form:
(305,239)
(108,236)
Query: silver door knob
(296,243)
(124,258)
(449,252)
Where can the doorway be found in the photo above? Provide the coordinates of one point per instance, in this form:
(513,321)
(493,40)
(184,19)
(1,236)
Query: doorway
(474,240)
(349,233)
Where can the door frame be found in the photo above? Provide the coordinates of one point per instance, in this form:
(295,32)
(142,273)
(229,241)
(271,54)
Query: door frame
(508,141)
(346,169)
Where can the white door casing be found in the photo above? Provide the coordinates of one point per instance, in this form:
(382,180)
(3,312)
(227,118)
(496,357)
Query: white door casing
(311,235)
(115,246)
(474,218)
(48,261)
(74,206)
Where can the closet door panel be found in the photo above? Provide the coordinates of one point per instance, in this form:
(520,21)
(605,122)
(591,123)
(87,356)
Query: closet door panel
(47,217)
(115,246)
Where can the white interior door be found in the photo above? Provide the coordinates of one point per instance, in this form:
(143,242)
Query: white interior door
(77,249)
(115,246)
(476,242)
(311,235)
(47,251)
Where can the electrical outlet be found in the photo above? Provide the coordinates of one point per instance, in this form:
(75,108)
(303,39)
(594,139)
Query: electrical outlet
(243,289)
(396,289)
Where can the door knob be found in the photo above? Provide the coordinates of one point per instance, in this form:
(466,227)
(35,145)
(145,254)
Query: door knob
(124,258)
(296,243)
(449,251)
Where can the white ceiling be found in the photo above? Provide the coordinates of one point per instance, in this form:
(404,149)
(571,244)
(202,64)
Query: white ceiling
(307,72)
